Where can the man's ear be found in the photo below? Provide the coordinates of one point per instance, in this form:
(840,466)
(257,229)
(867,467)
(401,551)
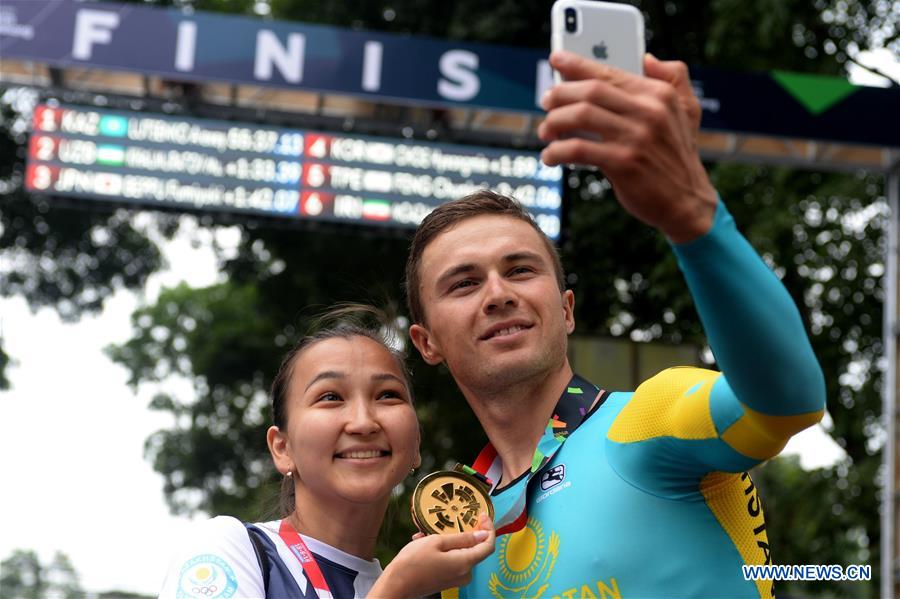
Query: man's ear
(278,447)
(425,343)
(568,298)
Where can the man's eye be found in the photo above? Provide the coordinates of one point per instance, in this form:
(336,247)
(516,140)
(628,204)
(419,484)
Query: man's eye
(518,270)
(462,284)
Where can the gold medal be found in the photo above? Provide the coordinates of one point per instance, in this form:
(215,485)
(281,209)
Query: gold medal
(451,501)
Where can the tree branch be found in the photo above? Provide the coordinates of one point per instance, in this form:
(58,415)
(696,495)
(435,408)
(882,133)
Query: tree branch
(875,71)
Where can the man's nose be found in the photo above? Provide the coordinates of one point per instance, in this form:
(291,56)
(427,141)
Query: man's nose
(498,293)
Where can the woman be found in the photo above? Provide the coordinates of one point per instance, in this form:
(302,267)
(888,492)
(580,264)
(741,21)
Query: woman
(345,434)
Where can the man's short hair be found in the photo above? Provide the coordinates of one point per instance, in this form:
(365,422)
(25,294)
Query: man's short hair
(448,215)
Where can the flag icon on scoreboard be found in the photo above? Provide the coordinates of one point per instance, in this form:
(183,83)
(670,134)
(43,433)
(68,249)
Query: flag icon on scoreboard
(111,155)
(114,126)
(376,209)
(107,184)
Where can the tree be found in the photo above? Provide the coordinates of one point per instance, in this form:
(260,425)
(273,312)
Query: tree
(65,255)
(822,232)
(22,576)
(62,578)
(4,362)
(122,595)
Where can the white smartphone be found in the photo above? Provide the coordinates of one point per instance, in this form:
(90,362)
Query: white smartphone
(608,32)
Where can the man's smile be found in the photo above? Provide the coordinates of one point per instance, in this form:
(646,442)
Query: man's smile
(505,329)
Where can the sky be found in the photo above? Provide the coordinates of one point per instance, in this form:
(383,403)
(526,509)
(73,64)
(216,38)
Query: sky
(72,433)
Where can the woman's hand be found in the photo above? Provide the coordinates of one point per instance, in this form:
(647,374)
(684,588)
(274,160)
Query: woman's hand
(429,564)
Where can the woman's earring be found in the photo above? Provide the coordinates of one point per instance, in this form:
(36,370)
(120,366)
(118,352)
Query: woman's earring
(289,473)
(412,471)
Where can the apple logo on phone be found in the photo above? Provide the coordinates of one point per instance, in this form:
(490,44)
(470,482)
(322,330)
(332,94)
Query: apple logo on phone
(600,51)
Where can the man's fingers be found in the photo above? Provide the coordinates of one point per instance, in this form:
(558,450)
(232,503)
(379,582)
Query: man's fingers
(671,71)
(676,74)
(605,155)
(573,67)
(597,91)
(583,116)
(666,83)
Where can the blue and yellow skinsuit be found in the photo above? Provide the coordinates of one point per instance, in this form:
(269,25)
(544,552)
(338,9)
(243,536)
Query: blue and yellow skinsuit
(649,496)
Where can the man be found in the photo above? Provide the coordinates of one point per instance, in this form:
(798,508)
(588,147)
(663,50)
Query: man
(641,494)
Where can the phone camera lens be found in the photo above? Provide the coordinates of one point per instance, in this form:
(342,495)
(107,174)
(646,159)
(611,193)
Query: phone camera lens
(571,20)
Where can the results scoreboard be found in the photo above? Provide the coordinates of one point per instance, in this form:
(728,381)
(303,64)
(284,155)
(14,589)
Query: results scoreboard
(172,161)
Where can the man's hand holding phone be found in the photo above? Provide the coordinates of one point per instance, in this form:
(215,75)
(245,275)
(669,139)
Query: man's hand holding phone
(646,132)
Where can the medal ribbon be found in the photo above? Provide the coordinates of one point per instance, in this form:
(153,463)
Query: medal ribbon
(310,567)
(574,405)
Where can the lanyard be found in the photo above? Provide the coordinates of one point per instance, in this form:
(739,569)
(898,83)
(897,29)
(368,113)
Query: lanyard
(575,404)
(310,567)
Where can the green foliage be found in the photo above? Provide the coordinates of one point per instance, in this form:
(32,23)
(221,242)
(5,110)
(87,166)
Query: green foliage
(504,21)
(122,595)
(224,6)
(835,528)
(22,576)
(621,292)
(213,332)
(823,233)
(4,362)
(69,256)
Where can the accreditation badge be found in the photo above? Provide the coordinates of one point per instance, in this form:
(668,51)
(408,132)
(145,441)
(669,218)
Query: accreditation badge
(451,501)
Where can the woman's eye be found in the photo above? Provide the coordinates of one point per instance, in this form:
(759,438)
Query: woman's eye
(391,394)
(330,396)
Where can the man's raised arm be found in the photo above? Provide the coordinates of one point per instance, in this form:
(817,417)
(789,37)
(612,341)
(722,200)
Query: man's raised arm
(646,144)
